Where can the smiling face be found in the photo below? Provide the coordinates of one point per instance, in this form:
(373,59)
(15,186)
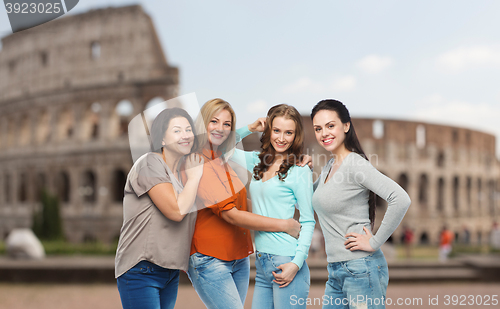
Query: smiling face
(178,137)
(282,134)
(329,130)
(219,127)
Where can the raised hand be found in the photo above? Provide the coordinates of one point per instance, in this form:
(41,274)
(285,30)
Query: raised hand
(306,159)
(194,166)
(258,125)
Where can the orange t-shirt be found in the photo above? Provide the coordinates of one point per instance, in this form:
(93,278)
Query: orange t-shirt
(220,189)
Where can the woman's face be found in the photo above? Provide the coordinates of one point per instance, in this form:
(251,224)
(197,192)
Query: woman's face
(329,130)
(282,134)
(179,136)
(219,127)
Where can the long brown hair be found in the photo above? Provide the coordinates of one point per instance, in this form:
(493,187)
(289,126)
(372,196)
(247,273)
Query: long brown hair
(268,154)
(351,141)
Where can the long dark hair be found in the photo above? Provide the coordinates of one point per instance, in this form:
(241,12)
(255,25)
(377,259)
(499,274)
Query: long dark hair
(268,154)
(351,141)
(160,125)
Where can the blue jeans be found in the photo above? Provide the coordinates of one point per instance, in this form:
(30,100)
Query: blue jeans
(268,294)
(359,283)
(220,284)
(148,286)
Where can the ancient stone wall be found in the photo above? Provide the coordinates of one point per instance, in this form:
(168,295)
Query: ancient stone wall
(451,174)
(68,90)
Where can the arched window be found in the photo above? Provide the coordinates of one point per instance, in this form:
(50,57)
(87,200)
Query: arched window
(119,180)
(456,191)
(440,195)
(403,181)
(469,195)
(88,187)
(23,187)
(123,110)
(423,188)
(479,193)
(424,239)
(40,184)
(63,187)
(7,188)
(440,159)
(491,197)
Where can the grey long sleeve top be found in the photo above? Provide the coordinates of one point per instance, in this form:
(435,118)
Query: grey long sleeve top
(342,205)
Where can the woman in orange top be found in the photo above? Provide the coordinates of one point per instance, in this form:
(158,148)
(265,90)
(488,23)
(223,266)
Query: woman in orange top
(219,266)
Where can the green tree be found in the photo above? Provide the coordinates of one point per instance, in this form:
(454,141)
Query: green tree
(47,222)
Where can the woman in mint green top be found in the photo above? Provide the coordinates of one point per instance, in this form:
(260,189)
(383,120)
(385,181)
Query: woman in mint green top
(276,187)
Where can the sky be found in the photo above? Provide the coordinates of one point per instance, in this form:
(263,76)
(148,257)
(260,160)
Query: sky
(432,61)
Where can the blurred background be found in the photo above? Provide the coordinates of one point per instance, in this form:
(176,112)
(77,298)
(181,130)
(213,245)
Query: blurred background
(418,78)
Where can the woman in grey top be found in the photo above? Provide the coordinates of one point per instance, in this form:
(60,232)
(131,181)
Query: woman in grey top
(344,200)
(158,215)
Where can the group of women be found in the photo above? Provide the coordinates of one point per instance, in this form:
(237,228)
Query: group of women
(185,208)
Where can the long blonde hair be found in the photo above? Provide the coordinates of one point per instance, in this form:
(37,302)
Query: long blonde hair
(207,112)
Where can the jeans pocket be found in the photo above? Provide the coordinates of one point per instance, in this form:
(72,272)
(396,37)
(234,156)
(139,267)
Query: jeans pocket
(277,260)
(356,268)
(201,262)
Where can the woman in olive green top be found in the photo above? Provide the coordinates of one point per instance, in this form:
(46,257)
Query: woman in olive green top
(155,238)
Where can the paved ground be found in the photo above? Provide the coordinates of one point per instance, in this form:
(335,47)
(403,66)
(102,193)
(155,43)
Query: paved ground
(99,296)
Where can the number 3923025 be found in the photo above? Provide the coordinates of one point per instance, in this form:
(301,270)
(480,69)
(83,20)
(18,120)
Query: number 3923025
(471,300)
(31,8)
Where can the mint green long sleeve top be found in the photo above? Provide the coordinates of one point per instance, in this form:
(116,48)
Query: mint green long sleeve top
(277,199)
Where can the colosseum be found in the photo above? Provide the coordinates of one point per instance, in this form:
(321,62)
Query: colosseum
(451,174)
(69,88)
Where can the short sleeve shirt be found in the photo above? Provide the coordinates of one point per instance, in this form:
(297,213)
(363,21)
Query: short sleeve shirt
(146,234)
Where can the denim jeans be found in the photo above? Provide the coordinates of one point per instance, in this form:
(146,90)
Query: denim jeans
(148,286)
(220,284)
(359,283)
(268,294)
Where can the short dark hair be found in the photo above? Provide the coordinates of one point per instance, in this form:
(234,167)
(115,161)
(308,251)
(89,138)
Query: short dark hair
(160,125)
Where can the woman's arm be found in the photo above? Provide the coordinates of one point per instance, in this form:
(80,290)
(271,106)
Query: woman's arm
(398,203)
(163,194)
(303,190)
(257,222)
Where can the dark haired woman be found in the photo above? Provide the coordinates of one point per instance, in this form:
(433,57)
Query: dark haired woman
(155,238)
(344,199)
(282,277)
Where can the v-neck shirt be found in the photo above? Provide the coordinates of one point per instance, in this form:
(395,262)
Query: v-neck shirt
(342,205)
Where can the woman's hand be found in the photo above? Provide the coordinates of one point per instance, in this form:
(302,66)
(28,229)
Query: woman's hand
(288,272)
(306,159)
(292,227)
(357,241)
(258,125)
(194,166)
